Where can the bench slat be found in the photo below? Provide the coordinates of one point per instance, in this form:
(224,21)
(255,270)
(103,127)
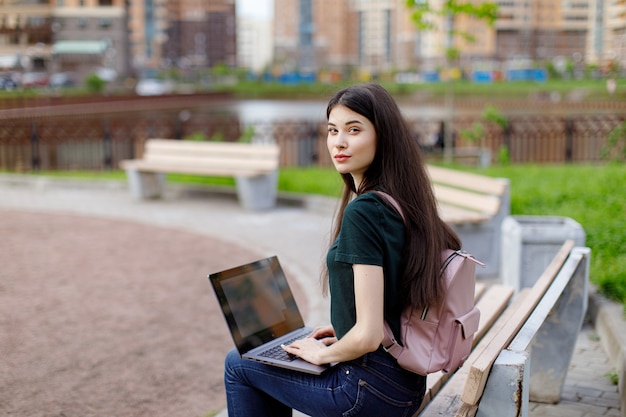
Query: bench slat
(457,215)
(216,161)
(479,369)
(479,202)
(169,146)
(467,180)
(166,167)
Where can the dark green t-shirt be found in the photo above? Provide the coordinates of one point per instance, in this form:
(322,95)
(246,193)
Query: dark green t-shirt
(372,233)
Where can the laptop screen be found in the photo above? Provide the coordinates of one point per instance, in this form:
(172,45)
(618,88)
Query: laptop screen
(257,302)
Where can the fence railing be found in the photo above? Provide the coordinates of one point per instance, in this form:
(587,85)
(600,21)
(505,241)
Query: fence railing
(97,136)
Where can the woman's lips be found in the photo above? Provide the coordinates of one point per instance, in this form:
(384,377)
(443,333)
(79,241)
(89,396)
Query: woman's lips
(341,157)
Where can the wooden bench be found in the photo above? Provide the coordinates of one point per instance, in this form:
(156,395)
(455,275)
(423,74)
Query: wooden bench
(254,167)
(523,347)
(475,206)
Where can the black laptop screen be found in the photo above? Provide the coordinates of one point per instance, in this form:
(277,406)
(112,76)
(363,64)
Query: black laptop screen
(257,302)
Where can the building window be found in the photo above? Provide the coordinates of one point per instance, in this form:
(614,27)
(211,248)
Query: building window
(104,23)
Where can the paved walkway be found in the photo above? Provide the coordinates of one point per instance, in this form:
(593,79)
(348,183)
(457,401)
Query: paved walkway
(298,236)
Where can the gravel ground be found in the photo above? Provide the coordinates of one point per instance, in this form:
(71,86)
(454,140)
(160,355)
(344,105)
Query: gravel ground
(104,317)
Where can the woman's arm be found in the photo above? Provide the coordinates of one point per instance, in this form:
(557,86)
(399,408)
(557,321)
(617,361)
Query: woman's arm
(365,336)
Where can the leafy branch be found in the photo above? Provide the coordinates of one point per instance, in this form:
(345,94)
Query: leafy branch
(422,14)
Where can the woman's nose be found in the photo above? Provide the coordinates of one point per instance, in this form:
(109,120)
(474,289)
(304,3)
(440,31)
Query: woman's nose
(340,143)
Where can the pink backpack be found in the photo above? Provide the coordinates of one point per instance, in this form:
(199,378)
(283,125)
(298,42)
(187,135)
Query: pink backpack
(440,337)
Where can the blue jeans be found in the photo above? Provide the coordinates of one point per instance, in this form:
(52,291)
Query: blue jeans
(373,385)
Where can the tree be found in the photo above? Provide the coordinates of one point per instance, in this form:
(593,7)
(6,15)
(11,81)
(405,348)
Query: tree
(425,14)
(423,11)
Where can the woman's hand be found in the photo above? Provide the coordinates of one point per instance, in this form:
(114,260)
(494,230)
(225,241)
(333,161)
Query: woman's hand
(326,334)
(308,349)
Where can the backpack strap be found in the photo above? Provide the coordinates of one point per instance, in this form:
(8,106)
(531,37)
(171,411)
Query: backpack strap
(449,259)
(391,201)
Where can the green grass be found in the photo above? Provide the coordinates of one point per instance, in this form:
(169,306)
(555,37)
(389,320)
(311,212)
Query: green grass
(591,89)
(592,195)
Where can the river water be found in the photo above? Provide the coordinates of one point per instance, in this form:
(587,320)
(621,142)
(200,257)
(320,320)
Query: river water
(260,111)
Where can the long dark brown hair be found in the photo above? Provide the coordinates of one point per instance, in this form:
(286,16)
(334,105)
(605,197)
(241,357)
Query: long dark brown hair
(398,169)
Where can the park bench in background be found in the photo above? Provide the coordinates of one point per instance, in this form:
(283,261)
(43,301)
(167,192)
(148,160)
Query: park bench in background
(254,167)
(475,206)
(522,349)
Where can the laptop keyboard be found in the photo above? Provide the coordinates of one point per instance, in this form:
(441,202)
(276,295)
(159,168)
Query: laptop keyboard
(278,353)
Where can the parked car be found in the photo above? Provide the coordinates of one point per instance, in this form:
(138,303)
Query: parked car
(62,79)
(34,79)
(8,82)
(153,87)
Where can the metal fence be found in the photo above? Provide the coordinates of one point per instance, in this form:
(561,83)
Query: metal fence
(97,136)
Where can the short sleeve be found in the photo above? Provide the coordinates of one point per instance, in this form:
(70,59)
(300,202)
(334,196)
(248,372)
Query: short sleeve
(360,240)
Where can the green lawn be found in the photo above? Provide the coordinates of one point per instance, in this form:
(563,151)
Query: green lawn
(593,195)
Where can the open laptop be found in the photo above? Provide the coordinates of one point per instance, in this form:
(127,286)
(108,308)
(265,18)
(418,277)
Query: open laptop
(262,314)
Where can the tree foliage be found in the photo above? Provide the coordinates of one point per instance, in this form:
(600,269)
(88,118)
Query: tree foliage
(423,12)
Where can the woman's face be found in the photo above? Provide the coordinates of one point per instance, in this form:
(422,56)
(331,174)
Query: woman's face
(351,142)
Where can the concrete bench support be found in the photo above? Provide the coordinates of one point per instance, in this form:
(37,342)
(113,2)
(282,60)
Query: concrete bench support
(535,364)
(257,193)
(145,184)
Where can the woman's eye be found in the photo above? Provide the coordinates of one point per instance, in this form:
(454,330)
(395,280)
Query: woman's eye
(353,130)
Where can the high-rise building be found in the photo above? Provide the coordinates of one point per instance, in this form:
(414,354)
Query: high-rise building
(25,34)
(541,29)
(378,35)
(254,43)
(614,32)
(120,35)
(200,32)
(89,34)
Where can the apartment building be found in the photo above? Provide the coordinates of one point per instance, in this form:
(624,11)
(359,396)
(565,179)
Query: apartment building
(378,35)
(372,35)
(199,33)
(254,43)
(89,35)
(25,34)
(542,29)
(607,32)
(119,35)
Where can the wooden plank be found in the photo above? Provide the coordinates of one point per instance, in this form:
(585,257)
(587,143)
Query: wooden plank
(457,215)
(491,306)
(218,162)
(172,145)
(467,180)
(143,166)
(448,401)
(479,202)
(479,368)
(479,290)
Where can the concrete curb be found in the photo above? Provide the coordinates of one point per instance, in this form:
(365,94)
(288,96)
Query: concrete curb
(610,324)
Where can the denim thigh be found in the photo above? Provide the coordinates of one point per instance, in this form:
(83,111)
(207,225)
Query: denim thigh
(380,387)
(373,385)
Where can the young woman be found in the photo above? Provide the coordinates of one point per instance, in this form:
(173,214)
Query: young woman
(376,265)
